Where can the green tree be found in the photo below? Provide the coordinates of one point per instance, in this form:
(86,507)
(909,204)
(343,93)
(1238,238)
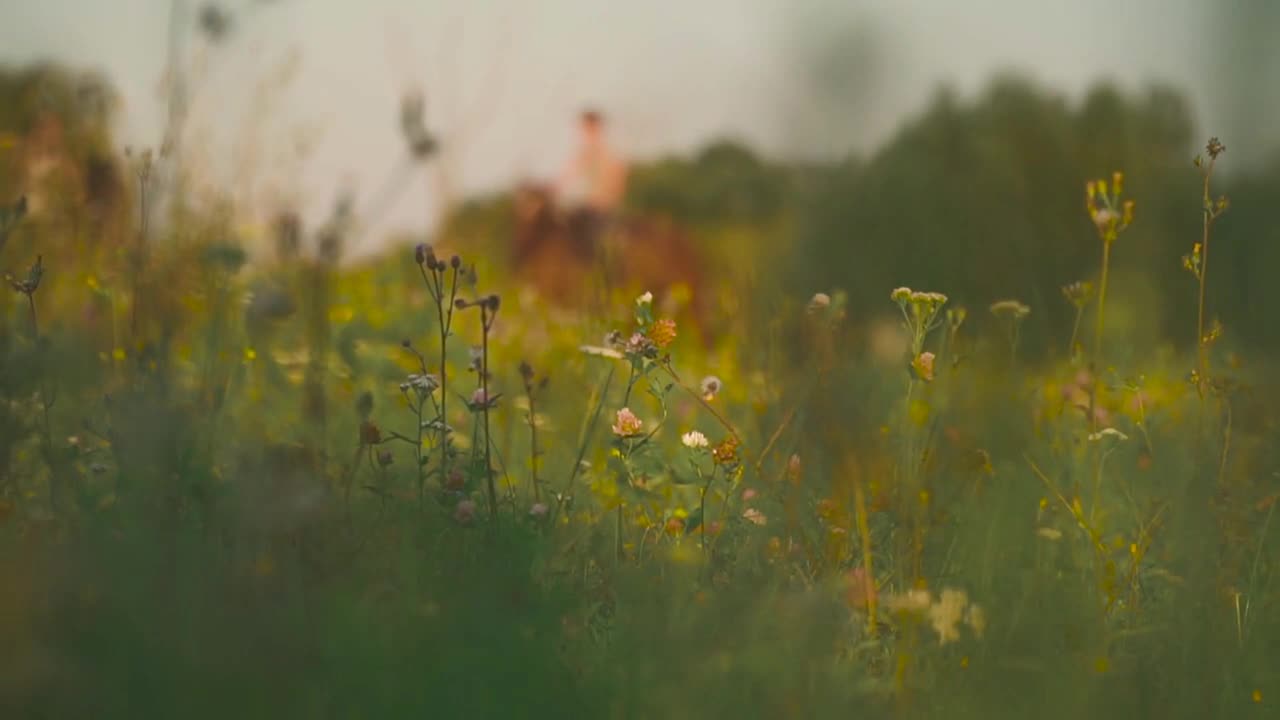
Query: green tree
(985,201)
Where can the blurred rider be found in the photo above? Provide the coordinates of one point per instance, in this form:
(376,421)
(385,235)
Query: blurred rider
(593,183)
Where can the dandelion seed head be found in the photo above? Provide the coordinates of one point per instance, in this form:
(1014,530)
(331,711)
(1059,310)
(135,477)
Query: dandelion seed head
(710,387)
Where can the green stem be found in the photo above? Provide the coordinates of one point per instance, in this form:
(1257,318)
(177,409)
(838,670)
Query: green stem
(702,510)
(1202,364)
(1075,332)
(1097,336)
(484,389)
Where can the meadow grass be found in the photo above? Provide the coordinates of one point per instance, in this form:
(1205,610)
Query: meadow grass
(387,490)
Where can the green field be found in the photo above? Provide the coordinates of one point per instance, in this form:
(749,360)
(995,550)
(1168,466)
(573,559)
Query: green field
(240,477)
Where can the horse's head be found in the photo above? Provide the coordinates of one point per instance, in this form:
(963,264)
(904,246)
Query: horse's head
(533,204)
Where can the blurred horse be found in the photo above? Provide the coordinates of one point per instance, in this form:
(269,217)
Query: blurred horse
(557,254)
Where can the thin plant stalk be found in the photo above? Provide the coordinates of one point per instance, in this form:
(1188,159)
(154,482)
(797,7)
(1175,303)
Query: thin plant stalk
(702,509)
(1075,332)
(864,535)
(602,393)
(1202,360)
(526,374)
(444,312)
(1097,335)
(487,310)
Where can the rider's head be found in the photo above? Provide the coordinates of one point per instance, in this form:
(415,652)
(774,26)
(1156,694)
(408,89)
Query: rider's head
(591,121)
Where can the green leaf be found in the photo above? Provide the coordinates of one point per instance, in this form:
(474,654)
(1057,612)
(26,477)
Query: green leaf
(679,479)
(693,522)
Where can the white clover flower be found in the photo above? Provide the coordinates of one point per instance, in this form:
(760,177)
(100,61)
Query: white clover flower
(436,425)
(645,299)
(1105,433)
(1010,309)
(1049,533)
(601,351)
(425,384)
(694,440)
(912,601)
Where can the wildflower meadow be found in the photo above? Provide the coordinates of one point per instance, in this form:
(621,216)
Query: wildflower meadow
(245,475)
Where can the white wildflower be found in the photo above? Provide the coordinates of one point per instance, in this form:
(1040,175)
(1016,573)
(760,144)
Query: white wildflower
(1108,433)
(694,440)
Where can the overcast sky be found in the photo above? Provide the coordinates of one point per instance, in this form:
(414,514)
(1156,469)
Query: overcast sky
(327,75)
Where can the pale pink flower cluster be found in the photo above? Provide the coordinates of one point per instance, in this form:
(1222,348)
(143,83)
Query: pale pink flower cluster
(627,424)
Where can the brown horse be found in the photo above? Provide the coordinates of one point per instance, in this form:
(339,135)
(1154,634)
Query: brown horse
(554,252)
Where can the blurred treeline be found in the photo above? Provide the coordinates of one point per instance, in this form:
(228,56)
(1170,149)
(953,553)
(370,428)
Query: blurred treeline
(982,199)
